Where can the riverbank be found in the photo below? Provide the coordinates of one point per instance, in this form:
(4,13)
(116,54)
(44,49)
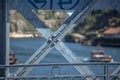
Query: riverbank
(24,35)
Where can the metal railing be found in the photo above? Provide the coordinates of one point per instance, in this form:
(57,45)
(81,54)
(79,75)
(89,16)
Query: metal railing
(56,71)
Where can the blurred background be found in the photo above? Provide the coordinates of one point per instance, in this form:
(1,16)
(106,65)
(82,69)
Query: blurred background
(99,27)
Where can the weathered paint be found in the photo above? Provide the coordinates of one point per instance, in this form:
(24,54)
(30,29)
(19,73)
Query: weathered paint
(2,36)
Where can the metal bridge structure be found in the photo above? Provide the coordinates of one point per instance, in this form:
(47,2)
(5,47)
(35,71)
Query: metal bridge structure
(53,39)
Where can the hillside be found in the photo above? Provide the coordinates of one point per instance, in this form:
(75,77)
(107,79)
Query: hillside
(94,24)
(51,18)
(98,21)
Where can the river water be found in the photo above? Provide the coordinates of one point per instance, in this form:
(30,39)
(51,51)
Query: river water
(23,48)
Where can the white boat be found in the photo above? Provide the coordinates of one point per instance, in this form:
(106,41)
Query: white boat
(100,56)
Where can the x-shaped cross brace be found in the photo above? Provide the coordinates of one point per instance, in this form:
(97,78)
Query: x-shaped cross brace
(54,39)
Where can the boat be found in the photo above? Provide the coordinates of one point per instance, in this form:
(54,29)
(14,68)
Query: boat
(100,56)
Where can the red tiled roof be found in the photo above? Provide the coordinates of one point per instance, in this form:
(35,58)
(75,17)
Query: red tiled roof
(112,31)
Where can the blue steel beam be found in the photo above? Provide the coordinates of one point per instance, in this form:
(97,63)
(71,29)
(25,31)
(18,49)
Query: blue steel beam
(34,4)
(42,52)
(37,23)
(42,4)
(61,4)
(115,4)
(2,36)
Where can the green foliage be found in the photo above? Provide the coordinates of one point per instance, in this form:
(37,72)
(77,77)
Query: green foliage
(98,20)
(94,21)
